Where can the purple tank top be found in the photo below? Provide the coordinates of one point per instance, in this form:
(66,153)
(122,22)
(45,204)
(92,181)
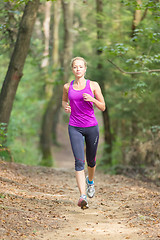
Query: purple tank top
(82,112)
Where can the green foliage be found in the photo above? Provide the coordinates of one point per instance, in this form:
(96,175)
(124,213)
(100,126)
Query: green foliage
(17,2)
(26,151)
(151,4)
(47,162)
(155,129)
(10,15)
(5,155)
(3,134)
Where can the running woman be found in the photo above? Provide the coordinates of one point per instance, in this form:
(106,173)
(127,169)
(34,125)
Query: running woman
(78,99)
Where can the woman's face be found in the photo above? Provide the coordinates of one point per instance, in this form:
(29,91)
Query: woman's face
(79,68)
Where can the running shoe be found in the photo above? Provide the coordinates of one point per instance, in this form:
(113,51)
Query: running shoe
(83,202)
(90,189)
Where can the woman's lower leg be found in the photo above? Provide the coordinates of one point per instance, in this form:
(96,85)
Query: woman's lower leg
(80,178)
(91,172)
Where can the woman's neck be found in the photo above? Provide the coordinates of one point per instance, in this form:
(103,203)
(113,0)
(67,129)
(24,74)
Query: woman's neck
(79,81)
(80,84)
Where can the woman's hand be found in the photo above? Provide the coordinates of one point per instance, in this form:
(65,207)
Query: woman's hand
(87,97)
(65,104)
(99,99)
(67,108)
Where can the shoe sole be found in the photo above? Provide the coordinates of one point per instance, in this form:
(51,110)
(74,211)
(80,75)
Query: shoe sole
(84,205)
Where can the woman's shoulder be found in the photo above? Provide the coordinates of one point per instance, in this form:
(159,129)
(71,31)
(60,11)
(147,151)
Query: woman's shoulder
(66,86)
(94,84)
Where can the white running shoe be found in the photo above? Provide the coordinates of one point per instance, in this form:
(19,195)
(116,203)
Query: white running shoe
(90,189)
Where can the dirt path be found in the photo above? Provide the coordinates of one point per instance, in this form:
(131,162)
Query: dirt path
(41,203)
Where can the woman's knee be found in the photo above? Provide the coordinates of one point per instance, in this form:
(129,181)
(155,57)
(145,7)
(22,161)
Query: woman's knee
(91,164)
(79,164)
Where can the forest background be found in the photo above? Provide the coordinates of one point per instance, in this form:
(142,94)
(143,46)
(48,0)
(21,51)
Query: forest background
(120,41)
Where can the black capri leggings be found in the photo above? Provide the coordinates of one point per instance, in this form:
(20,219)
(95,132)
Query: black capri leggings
(77,137)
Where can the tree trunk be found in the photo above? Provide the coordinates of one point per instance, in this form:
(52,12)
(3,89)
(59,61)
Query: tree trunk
(46,30)
(134,129)
(105,114)
(55,60)
(67,53)
(68,37)
(51,115)
(137,19)
(107,137)
(17,61)
(47,126)
(48,131)
(54,32)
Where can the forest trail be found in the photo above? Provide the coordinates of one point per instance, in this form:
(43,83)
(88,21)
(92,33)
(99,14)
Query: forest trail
(39,203)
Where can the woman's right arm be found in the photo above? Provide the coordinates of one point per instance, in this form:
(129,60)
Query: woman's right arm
(65,104)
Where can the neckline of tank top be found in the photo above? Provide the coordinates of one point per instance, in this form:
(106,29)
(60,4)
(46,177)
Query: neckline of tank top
(80,89)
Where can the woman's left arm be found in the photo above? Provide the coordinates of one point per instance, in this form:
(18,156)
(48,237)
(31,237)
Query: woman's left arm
(99,100)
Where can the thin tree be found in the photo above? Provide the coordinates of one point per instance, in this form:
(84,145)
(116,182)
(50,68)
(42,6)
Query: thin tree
(49,122)
(50,114)
(105,114)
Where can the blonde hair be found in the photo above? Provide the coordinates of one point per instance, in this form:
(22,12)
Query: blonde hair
(78,58)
